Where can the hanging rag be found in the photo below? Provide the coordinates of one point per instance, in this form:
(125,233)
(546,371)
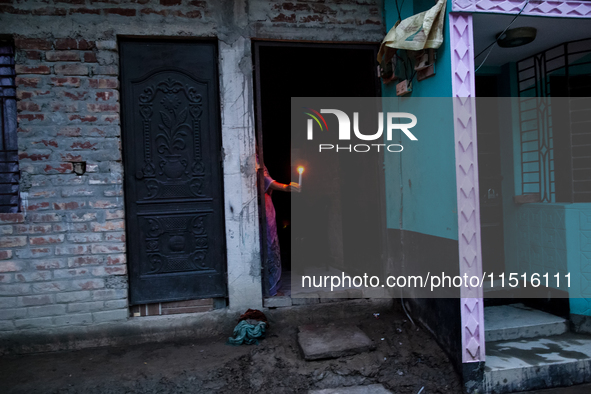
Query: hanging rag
(249,332)
(420,31)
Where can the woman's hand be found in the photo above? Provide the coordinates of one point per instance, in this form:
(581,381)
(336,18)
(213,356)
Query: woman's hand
(292,187)
(282,187)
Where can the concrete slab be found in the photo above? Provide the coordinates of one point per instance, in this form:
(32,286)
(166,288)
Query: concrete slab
(528,364)
(277,302)
(321,342)
(370,389)
(516,321)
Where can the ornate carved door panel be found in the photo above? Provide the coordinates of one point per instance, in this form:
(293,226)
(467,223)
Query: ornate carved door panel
(173,177)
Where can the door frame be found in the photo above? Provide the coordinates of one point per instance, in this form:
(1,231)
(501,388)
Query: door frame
(256,45)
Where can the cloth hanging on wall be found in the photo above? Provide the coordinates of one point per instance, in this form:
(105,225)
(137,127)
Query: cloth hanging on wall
(420,31)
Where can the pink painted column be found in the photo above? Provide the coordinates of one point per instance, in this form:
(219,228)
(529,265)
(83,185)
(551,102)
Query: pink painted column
(464,112)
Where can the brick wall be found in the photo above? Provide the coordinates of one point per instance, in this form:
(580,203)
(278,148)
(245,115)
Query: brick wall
(62,258)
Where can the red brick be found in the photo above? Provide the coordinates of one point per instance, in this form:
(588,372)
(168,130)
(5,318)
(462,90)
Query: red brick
(58,106)
(49,264)
(50,11)
(33,156)
(90,57)
(9,266)
(45,217)
(117,214)
(89,284)
(115,259)
(29,82)
(70,157)
(46,239)
(312,18)
(78,249)
(82,118)
(33,229)
(23,69)
(66,43)
(190,14)
(296,7)
(69,131)
(11,242)
(33,55)
(5,254)
(30,117)
(198,3)
(112,225)
(170,2)
(6,218)
(84,145)
(107,248)
(284,18)
(40,252)
(71,69)
(66,82)
(117,270)
(115,237)
(105,96)
(67,205)
(61,169)
(62,56)
(102,107)
(83,261)
(82,217)
(323,9)
(38,206)
(32,43)
(120,11)
(85,11)
(103,204)
(70,1)
(28,106)
(103,83)
(149,11)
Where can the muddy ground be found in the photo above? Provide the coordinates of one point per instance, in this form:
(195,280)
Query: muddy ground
(406,359)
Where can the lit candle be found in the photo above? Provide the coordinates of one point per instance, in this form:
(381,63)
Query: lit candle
(300,170)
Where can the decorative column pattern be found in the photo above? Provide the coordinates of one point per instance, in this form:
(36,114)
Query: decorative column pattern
(562,9)
(464,108)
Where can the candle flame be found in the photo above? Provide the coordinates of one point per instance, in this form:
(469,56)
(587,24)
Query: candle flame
(300,169)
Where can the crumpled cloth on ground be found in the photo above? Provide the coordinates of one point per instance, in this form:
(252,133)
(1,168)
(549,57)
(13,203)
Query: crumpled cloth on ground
(254,314)
(248,333)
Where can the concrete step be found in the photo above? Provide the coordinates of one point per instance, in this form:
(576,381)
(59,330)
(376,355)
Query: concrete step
(528,364)
(370,389)
(321,342)
(516,321)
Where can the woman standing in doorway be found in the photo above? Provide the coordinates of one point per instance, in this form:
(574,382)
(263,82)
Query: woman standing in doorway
(273,262)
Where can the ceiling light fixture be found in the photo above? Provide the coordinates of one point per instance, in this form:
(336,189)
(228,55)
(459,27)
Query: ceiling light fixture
(516,37)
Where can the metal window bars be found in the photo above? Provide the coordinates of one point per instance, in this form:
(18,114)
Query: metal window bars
(9,171)
(555,135)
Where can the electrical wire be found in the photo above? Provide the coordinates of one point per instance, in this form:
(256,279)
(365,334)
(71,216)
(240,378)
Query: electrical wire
(497,39)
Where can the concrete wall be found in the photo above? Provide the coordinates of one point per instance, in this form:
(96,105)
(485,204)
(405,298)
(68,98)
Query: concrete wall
(420,182)
(63,256)
(421,198)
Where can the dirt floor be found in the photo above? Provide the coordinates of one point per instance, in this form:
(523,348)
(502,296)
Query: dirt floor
(406,359)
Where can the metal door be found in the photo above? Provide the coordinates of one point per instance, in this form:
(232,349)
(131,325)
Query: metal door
(172,167)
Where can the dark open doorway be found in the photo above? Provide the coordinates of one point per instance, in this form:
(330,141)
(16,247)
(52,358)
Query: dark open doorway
(286,70)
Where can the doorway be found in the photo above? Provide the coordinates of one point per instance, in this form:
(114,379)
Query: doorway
(285,70)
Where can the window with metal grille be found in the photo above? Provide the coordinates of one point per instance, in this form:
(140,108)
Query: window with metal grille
(9,173)
(555,122)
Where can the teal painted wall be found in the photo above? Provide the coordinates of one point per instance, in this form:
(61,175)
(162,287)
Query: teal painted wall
(421,181)
(541,237)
